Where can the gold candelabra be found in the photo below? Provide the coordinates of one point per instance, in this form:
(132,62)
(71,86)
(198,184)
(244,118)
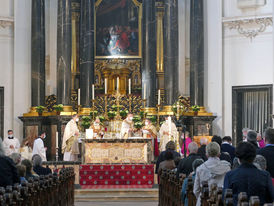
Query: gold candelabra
(117,96)
(130,102)
(93,108)
(106,106)
(158,116)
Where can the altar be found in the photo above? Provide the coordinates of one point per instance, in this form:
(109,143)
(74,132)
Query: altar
(118,151)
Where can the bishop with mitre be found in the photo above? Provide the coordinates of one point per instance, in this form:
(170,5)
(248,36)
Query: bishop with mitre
(127,127)
(168,132)
(70,147)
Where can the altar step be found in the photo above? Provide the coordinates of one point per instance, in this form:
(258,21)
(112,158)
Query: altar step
(116,195)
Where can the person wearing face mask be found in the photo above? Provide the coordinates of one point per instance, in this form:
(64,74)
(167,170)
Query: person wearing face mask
(127,127)
(98,129)
(38,146)
(11,144)
(168,132)
(149,131)
(70,147)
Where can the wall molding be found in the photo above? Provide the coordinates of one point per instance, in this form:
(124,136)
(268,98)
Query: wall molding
(6,22)
(249,26)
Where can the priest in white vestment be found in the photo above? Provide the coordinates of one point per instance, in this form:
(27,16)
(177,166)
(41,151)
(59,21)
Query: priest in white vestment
(11,144)
(127,127)
(168,132)
(70,147)
(39,148)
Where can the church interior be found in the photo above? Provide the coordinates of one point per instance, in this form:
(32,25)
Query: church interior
(114,99)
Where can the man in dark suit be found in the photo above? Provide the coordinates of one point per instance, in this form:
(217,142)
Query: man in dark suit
(268,151)
(185,164)
(247,178)
(227,147)
(223,155)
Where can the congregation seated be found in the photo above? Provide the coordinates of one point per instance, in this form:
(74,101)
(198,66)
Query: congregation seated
(223,155)
(37,166)
(227,147)
(168,163)
(202,149)
(195,164)
(260,162)
(16,158)
(170,147)
(29,172)
(212,171)
(247,178)
(22,173)
(185,164)
(268,151)
(8,171)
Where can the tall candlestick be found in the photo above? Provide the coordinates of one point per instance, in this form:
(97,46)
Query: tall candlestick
(145,86)
(93,92)
(57,145)
(118,84)
(159,97)
(79,92)
(129,86)
(106,86)
(169,127)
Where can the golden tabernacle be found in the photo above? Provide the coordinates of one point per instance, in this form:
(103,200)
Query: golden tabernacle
(135,151)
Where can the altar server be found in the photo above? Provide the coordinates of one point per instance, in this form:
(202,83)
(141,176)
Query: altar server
(149,131)
(70,147)
(38,146)
(127,127)
(11,144)
(168,132)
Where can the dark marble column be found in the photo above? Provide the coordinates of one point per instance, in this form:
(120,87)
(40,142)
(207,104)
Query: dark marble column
(64,52)
(86,51)
(171,50)
(149,52)
(196,53)
(38,53)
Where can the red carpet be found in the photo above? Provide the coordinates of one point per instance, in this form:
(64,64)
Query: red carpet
(116,175)
(116,186)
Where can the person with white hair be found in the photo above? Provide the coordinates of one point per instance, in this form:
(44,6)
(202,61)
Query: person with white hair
(211,171)
(245,131)
(16,158)
(8,171)
(37,166)
(260,162)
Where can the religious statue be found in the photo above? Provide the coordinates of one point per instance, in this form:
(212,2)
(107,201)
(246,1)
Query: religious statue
(149,131)
(98,129)
(70,147)
(127,127)
(168,132)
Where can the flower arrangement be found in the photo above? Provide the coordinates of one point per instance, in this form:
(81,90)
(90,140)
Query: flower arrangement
(111,114)
(40,109)
(138,125)
(123,113)
(58,108)
(115,107)
(152,118)
(175,106)
(195,108)
(102,118)
(94,112)
(136,118)
(85,122)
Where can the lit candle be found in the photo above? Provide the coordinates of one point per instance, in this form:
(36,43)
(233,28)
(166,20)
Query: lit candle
(79,92)
(57,146)
(117,83)
(93,92)
(159,97)
(145,86)
(129,86)
(106,86)
(169,127)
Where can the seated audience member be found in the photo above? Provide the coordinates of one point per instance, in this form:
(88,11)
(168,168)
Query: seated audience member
(171,147)
(236,163)
(37,166)
(223,155)
(260,140)
(29,172)
(211,171)
(260,162)
(8,171)
(247,178)
(196,163)
(252,138)
(168,163)
(16,157)
(202,149)
(268,151)
(185,165)
(21,169)
(227,147)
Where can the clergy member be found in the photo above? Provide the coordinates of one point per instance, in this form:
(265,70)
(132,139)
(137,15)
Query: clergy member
(127,127)
(11,144)
(149,131)
(98,129)
(168,132)
(70,147)
(38,146)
